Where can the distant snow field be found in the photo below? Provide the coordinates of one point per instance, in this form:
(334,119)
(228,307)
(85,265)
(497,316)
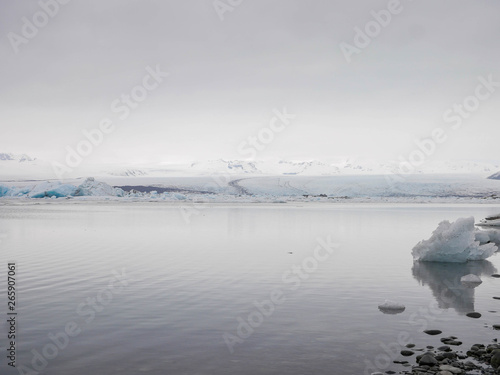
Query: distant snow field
(418,189)
(347,180)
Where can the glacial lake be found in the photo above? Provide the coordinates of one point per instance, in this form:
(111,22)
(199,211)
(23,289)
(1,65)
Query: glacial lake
(149,288)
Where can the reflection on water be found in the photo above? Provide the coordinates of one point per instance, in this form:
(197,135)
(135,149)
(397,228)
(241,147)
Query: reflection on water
(444,281)
(191,284)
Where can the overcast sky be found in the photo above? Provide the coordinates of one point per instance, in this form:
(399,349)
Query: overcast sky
(226,76)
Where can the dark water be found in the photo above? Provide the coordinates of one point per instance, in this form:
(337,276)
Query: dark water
(180,290)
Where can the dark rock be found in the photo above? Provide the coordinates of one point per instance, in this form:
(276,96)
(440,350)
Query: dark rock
(433,332)
(427,360)
(451,341)
(492,347)
(449,355)
(495,275)
(495,359)
(474,315)
(407,353)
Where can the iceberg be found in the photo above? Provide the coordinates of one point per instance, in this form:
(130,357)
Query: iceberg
(455,242)
(178,196)
(91,187)
(4,190)
(48,189)
(51,189)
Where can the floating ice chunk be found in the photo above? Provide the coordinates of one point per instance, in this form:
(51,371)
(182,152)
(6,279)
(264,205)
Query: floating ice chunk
(482,236)
(119,192)
(4,190)
(179,196)
(487,236)
(453,242)
(91,187)
(390,307)
(51,189)
(471,280)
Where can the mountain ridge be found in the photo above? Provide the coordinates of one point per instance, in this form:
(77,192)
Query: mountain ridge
(25,166)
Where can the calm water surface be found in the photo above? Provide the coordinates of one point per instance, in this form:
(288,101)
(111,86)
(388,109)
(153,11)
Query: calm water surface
(184,289)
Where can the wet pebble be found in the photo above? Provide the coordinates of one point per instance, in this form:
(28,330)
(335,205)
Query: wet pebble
(433,332)
(474,315)
(427,359)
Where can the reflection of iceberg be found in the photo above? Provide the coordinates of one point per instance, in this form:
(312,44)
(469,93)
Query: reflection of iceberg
(455,242)
(444,281)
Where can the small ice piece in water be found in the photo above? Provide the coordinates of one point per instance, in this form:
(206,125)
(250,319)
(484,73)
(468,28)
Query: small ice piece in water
(454,242)
(471,280)
(390,307)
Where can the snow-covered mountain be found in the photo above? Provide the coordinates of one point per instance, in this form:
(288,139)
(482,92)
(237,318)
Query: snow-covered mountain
(15,158)
(22,166)
(495,176)
(17,167)
(347,166)
(306,168)
(129,173)
(225,166)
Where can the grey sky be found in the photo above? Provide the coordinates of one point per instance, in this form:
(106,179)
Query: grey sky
(226,77)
